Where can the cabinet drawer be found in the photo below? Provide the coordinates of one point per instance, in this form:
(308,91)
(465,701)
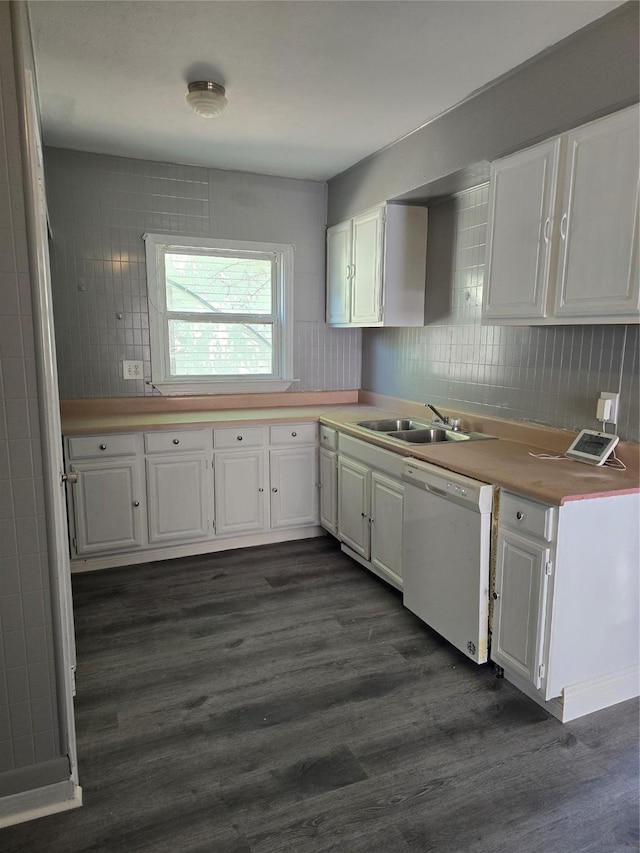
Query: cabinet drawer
(294,434)
(328,437)
(177,440)
(527,516)
(87,446)
(238,437)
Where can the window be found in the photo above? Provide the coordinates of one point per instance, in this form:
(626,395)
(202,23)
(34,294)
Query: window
(219,314)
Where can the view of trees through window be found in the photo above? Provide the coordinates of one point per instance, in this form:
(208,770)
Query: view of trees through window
(233,300)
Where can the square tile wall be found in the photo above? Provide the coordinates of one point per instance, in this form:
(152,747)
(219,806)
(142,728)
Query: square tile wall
(550,375)
(100,207)
(28,715)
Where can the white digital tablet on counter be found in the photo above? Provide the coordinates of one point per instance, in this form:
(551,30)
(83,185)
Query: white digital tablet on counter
(592,447)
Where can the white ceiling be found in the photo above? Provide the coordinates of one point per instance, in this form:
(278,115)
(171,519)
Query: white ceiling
(313,85)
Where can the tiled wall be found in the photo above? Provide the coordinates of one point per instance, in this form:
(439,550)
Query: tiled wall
(549,375)
(101,206)
(28,717)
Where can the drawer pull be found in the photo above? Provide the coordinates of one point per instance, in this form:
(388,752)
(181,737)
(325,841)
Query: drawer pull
(176,441)
(239,437)
(103,447)
(136,503)
(519,515)
(294,434)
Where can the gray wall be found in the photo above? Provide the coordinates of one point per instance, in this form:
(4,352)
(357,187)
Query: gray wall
(547,375)
(590,74)
(100,207)
(28,717)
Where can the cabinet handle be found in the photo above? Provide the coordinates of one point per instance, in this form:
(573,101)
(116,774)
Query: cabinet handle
(348,270)
(274,490)
(239,437)
(563,226)
(136,503)
(496,596)
(545,232)
(353,270)
(519,515)
(103,447)
(294,434)
(176,441)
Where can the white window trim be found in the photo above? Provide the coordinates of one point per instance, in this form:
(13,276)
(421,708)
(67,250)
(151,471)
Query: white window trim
(155,246)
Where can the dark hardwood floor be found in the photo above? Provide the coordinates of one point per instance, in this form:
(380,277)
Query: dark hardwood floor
(282,700)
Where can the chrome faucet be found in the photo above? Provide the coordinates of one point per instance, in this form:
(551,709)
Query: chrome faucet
(442,418)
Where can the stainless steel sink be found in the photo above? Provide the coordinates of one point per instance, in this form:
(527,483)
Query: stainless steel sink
(427,436)
(416,432)
(388,425)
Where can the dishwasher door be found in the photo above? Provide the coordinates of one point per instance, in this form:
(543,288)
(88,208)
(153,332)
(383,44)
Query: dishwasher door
(446,547)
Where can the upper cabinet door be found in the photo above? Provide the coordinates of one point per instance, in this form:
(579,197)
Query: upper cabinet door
(339,273)
(366,284)
(521,206)
(599,221)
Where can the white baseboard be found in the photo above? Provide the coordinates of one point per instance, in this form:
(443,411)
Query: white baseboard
(602,692)
(29,805)
(210,546)
(584,698)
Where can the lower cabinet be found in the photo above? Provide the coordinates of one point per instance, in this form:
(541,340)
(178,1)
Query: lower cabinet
(179,497)
(328,489)
(370,507)
(189,488)
(293,483)
(240,492)
(519,615)
(354,484)
(109,505)
(387,502)
(566,618)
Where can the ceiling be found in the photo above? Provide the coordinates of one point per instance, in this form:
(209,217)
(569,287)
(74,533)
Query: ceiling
(314,86)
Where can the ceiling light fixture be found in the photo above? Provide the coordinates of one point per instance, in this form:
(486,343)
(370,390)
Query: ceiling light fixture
(206,99)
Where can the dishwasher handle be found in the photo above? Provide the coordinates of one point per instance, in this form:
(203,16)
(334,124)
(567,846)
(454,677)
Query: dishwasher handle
(435,491)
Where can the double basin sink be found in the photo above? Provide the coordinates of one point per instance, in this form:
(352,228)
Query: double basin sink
(415,432)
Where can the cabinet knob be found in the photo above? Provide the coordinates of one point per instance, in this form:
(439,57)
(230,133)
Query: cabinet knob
(176,441)
(261,489)
(103,447)
(136,503)
(274,490)
(363,514)
(239,437)
(519,515)
(294,434)
(496,596)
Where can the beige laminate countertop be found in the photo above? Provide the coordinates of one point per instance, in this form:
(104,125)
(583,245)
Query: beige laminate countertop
(503,462)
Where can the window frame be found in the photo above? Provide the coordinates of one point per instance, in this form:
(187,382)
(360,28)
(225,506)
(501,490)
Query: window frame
(156,246)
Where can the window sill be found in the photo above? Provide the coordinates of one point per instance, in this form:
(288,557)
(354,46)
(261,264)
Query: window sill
(233,386)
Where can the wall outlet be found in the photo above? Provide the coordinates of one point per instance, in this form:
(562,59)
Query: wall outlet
(612,415)
(132,370)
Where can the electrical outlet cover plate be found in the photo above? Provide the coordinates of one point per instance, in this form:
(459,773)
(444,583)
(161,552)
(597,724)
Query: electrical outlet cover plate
(615,402)
(133,370)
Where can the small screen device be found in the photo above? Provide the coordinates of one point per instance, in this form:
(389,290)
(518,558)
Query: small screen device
(592,447)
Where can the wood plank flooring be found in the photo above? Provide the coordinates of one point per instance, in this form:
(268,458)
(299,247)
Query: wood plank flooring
(281,700)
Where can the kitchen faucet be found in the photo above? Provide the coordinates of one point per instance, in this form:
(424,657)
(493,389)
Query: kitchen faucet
(443,418)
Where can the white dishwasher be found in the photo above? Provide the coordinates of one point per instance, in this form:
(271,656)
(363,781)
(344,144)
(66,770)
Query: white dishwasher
(446,546)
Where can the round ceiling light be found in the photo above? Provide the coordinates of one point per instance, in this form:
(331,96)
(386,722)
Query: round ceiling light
(206,99)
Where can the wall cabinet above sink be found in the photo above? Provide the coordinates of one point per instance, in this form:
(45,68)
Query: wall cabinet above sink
(562,242)
(376,268)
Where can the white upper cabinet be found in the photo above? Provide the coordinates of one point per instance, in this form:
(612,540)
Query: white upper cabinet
(563,229)
(339,274)
(519,246)
(599,221)
(376,268)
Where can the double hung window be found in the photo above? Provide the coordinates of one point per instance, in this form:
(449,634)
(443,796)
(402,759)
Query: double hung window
(219,314)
